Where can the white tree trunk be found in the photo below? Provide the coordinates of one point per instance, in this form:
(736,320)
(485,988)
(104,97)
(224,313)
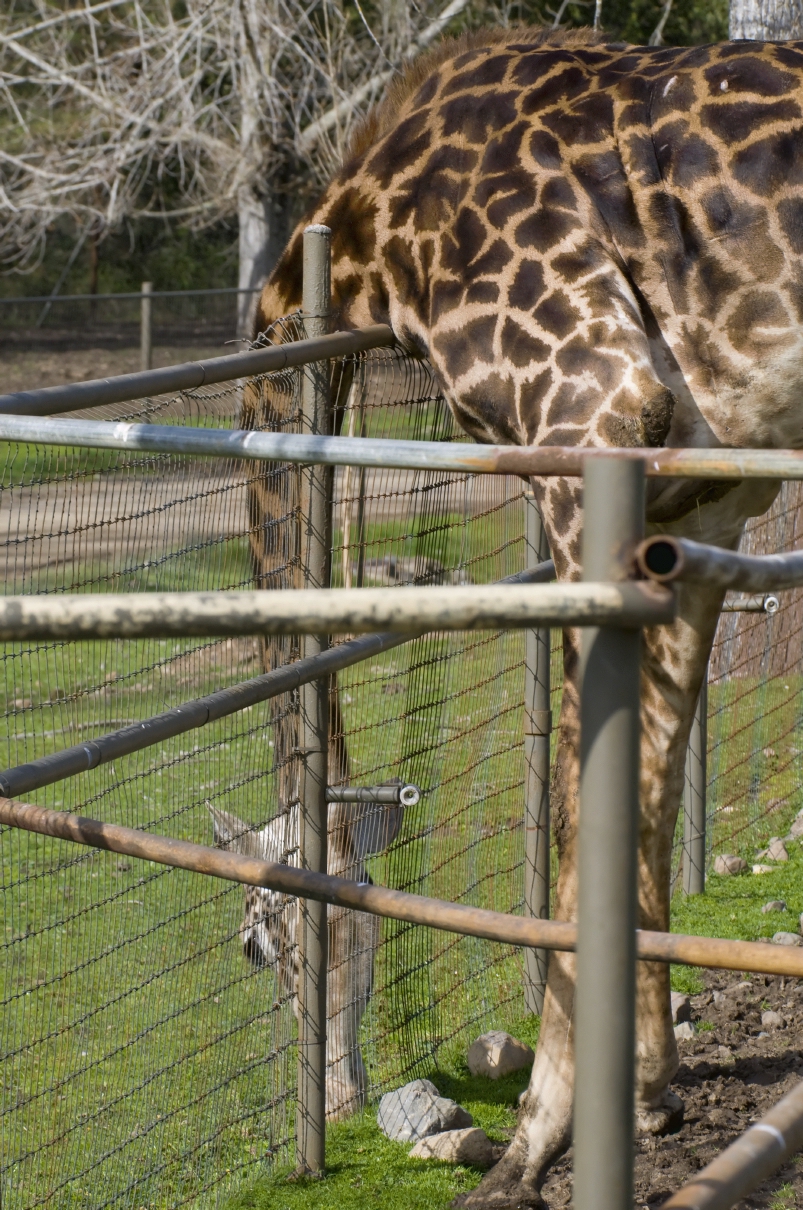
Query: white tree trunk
(257,251)
(766,20)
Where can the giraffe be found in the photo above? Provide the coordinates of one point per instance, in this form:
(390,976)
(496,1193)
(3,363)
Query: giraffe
(599,245)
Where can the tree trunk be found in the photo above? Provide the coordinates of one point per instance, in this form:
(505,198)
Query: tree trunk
(258,250)
(766,20)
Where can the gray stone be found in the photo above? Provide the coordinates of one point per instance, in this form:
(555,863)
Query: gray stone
(771,1020)
(684,1031)
(796,830)
(417,1110)
(724,1054)
(727,864)
(787,939)
(776,850)
(681,1008)
(763,869)
(472,1147)
(774,905)
(496,1054)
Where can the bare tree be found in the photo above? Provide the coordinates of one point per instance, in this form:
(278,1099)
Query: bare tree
(120,109)
(766,20)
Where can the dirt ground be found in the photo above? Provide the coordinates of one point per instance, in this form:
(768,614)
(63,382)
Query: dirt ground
(730,1075)
(22,370)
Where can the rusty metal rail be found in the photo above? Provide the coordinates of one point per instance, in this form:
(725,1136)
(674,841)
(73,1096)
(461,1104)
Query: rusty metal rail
(753,1157)
(398,905)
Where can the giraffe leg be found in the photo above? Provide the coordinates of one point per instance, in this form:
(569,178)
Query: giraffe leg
(673,666)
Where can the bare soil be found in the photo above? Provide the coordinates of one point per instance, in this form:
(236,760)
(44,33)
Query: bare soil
(730,1075)
(25,370)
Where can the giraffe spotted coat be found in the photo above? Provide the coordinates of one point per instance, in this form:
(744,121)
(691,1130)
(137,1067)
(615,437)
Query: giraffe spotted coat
(595,244)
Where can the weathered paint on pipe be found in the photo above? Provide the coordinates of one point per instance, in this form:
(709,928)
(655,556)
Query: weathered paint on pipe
(304,449)
(408,795)
(610,728)
(757,604)
(197,713)
(751,1159)
(190,375)
(331,610)
(398,905)
(665,559)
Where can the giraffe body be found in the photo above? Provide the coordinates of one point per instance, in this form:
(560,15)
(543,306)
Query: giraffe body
(595,245)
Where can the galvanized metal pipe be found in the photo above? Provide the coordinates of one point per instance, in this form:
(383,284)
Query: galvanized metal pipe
(665,559)
(694,797)
(408,795)
(613,525)
(382,453)
(757,604)
(331,610)
(537,730)
(397,905)
(146,326)
(316,496)
(47,401)
(749,1161)
(200,711)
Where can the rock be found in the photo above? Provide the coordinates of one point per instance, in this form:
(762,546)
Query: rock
(776,850)
(763,869)
(684,1031)
(800,922)
(681,1008)
(417,1110)
(719,997)
(796,830)
(771,1020)
(496,1054)
(724,1054)
(727,864)
(787,939)
(774,905)
(472,1147)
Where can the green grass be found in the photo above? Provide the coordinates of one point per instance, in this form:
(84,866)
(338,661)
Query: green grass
(364,1168)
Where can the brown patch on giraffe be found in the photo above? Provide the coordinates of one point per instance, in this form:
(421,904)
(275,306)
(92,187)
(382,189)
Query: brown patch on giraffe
(760,309)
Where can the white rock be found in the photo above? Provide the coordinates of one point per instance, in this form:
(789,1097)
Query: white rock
(763,869)
(681,1008)
(417,1110)
(724,1054)
(774,905)
(787,939)
(496,1054)
(684,1031)
(727,863)
(796,830)
(776,850)
(470,1146)
(771,1020)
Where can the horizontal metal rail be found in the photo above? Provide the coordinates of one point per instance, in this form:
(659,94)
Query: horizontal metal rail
(197,713)
(192,374)
(128,295)
(751,1159)
(665,559)
(332,610)
(382,453)
(398,905)
(760,604)
(406,795)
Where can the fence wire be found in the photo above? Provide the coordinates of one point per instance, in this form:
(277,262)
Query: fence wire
(148,1062)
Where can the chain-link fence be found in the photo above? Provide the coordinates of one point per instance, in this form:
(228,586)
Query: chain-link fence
(147,1061)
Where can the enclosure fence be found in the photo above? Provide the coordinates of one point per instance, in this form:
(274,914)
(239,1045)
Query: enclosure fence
(147,1063)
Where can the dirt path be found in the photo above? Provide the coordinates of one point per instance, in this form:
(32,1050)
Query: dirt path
(731,1074)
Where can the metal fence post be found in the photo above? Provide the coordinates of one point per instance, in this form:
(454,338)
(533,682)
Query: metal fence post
(537,728)
(146,326)
(613,522)
(316,495)
(694,798)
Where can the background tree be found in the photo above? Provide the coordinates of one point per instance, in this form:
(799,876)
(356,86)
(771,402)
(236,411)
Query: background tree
(766,20)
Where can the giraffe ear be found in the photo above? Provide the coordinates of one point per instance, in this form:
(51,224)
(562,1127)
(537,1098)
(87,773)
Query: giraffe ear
(233,833)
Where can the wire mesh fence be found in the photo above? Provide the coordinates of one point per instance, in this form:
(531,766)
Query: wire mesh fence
(148,1062)
(113,321)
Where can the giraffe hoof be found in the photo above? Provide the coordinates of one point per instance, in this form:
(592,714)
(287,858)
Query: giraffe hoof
(663,1116)
(502,1189)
